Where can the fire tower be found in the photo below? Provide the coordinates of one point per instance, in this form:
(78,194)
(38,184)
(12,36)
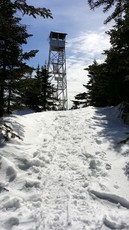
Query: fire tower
(57,69)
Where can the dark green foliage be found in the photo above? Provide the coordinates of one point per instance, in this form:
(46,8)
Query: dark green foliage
(97,85)
(118,59)
(109,82)
(46,97)
(119,9)
(80,100)
(28,90)
(13,65)
(36,92)
(97,88)
(12,57)
(30,10)
(76,104)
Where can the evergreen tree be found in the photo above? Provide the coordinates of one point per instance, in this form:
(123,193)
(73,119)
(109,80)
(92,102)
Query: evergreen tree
(97,85)
(80,100)
(12,57)
(97,88)
(37,92)
(118,58)
(109,82)
(46,90)
(119,10)
(30,10)
(76,104)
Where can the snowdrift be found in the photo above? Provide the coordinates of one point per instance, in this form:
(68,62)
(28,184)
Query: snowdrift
(68,170)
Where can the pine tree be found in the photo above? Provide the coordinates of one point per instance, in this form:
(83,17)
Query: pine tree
(80,100)
(119,9)
(118,58)
(13,35)
(109,82)
(47,90)
(30,10)
(12,57)
(97,85)
(37,92)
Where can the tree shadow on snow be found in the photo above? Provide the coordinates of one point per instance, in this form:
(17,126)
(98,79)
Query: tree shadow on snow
(111,125)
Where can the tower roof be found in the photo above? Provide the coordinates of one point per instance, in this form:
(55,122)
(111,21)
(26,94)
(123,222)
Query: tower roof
(57,35)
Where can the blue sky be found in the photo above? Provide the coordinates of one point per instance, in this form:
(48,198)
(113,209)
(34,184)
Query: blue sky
(86,38)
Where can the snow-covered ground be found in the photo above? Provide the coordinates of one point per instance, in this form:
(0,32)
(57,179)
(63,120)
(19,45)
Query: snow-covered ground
(69,171)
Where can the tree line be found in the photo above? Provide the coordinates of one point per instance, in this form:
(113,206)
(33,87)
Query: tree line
(108,83)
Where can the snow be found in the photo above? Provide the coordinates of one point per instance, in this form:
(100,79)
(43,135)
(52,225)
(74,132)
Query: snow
(68,171)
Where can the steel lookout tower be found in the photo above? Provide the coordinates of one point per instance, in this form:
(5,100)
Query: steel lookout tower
(57,69)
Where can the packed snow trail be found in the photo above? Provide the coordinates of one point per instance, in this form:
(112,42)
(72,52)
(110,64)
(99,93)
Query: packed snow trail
(67,173)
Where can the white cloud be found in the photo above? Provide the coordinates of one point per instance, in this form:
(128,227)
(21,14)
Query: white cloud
(91,43)
(82,51)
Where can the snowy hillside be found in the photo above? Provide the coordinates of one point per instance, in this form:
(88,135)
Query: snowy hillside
(68,173)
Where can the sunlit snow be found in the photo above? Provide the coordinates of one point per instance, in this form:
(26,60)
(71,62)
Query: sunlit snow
(68,171)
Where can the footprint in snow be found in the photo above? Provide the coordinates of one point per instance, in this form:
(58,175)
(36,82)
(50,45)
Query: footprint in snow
(11,173)
(98,142)
(32,183)
(11,203)
(12,221)
(24,164)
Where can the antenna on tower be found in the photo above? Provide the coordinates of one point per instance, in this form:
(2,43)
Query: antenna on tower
(57,69)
